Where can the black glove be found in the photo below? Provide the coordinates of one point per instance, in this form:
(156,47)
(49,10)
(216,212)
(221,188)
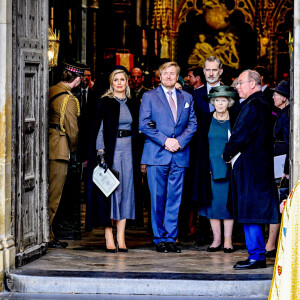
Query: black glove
(101,160)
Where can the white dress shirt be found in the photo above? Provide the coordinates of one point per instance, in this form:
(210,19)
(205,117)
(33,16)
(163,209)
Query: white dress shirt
(209,87)
(174,95)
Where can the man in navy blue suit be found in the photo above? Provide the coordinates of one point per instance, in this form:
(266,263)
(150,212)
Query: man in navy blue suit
(168,121)
(213,70)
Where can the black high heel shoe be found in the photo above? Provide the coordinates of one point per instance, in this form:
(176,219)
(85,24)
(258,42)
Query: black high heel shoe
(271,253)
(110,250)
(125,250)
(214,249)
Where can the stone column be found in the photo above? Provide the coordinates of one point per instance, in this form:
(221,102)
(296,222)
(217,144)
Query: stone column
(295,103)
(7,248)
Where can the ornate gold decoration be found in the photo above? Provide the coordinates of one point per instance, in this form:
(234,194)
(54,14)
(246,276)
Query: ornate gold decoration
(63,111)
(200,52)
(212,7)
(183,10)
(165,45)
(225,50)
(277,16)
(163,15)
(94,4)
(217,17)
(163,20)
(53,48)
(291,43)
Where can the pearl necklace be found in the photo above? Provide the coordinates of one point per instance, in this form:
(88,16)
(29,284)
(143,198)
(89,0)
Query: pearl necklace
(221,121)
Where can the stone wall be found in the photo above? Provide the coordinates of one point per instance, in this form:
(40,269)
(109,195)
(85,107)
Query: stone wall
(7,249)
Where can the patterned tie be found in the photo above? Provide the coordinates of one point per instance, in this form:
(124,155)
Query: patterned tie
(172,105)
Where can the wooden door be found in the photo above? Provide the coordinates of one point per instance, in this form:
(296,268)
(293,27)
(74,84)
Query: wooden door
(29,129)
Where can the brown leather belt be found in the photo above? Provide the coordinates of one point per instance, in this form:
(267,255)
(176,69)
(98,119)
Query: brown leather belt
(54,126)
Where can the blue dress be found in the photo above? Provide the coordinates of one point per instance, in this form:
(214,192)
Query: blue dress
(122,199)
(217,138)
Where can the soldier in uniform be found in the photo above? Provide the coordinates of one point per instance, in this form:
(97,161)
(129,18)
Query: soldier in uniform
(64,110)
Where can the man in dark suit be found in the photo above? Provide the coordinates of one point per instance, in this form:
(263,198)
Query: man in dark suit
(137,80)
(141,186)
(213,70)
(168,121)
(268,93)
(250,148)
(88,103)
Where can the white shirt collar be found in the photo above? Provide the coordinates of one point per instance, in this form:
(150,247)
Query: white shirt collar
(166,91)
(174,94)
(263,88)
(210,86)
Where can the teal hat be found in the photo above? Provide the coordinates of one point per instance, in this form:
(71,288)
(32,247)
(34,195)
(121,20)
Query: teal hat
(222,91)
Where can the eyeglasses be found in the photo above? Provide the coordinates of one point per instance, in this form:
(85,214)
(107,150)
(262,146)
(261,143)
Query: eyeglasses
(242,82)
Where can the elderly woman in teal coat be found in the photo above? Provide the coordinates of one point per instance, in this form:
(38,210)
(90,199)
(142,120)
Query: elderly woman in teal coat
(212,173)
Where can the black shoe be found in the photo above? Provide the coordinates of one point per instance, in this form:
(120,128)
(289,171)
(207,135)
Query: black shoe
(271,253)
(111,250)
(64,244)
(250,264)
(229,250)
(214,249)
(123,250)
(161,247)
(57,244)
(172,247)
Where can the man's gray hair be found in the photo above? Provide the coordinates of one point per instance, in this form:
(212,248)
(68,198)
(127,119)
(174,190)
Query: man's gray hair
(214,58)
(253,75)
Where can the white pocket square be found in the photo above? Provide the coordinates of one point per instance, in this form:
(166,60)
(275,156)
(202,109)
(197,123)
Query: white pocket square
(186,105)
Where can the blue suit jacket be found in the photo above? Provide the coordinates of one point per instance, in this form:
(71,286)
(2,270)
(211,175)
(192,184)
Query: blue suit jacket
(155,107)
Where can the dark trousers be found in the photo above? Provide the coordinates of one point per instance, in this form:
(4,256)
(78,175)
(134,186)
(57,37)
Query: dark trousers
(166,186)
(255,241)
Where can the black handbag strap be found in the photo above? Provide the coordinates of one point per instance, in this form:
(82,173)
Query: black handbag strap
(57,95)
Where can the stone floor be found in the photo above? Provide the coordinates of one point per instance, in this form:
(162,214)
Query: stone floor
(88,254)
(195,270)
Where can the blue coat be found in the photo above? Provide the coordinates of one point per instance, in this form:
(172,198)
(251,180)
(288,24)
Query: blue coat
(155,107)
(255,197)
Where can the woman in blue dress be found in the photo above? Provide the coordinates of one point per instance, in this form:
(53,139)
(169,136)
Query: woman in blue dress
(113,145)
(213,173)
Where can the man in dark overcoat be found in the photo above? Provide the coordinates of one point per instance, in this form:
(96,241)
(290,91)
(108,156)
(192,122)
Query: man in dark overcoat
(143,194)
(255,198)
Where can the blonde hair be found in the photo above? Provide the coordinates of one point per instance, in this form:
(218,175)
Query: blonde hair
(110,92)
(168,65)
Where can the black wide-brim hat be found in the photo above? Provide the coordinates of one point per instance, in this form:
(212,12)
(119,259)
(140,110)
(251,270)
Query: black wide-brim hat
(283,88)
(222,91)
(119,67)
